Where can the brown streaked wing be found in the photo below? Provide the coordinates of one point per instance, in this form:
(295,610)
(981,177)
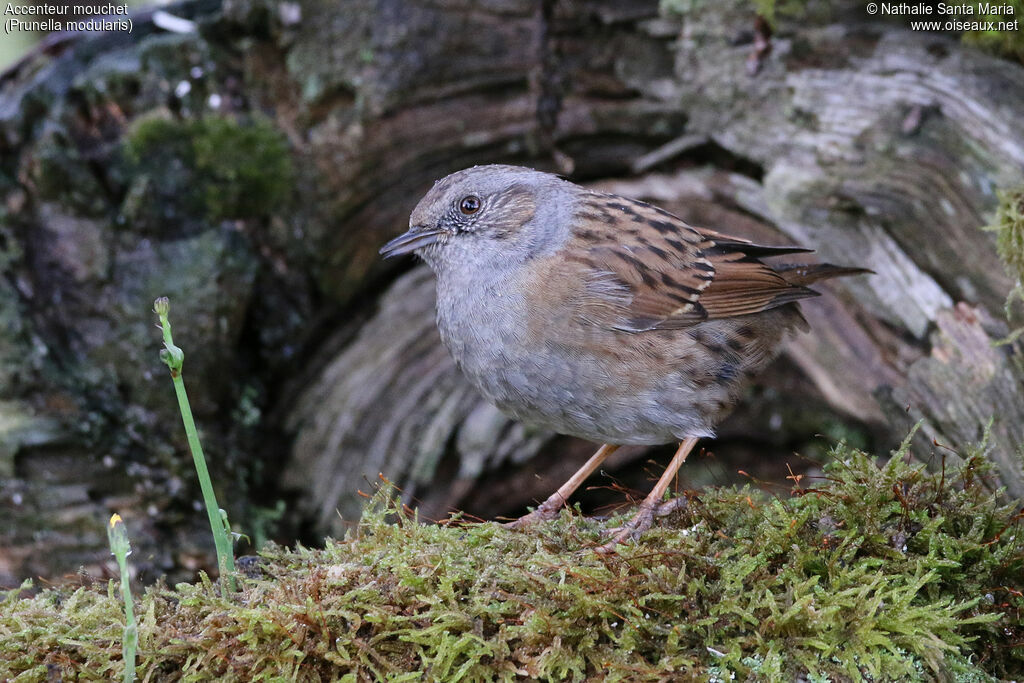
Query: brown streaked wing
(743,284)
(640,265)
(645,269)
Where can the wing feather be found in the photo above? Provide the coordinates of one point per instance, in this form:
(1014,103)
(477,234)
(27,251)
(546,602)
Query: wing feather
(643,268)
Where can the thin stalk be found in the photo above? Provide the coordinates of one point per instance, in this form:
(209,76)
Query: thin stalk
(121,548)
(174,357)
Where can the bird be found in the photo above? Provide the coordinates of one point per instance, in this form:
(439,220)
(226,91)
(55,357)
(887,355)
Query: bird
(599,316)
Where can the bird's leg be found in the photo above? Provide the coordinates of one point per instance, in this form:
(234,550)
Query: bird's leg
(550,507)
(652,503)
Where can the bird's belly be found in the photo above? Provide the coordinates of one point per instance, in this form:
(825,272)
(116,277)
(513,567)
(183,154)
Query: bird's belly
(572,391)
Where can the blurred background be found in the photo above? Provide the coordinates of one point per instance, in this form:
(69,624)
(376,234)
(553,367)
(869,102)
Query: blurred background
(247,158)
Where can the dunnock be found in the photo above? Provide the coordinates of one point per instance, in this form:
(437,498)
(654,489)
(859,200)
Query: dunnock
(599,316)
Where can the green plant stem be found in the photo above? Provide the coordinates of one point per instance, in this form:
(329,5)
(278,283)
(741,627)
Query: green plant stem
(221,537)
(131,630)
(174,357)
(120,548)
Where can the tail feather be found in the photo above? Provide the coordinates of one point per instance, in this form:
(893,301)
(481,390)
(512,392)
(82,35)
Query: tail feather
(723,244)
(803,274)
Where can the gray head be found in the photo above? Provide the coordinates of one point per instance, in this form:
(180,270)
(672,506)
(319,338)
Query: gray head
(487,217)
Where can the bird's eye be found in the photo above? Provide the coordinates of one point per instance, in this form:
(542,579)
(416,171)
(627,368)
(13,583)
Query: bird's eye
(469,204)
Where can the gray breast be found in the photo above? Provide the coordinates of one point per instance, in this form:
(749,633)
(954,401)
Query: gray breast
(550,383)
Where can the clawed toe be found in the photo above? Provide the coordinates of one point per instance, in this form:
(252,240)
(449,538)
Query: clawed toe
(652,505)
(541,514)
(670,506)
(640,523)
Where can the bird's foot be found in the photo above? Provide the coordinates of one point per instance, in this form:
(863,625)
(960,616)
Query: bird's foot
(671,505)
(640,523)
(543,513)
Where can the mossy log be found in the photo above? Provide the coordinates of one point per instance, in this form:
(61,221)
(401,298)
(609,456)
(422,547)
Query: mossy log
(250,166)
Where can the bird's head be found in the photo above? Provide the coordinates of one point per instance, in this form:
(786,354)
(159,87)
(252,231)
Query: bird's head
(485,215)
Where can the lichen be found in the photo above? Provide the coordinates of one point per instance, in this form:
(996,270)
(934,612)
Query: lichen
(888,572)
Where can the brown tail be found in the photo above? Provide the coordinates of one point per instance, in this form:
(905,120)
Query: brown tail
(803,274)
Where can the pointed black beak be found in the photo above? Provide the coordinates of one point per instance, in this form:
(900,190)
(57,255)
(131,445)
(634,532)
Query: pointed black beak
(418,236)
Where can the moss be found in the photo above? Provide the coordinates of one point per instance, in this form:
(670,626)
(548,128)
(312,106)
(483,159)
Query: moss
(772,10)
(1008,44)
(1008,225)
(210,169)
(246,169)
(886,572)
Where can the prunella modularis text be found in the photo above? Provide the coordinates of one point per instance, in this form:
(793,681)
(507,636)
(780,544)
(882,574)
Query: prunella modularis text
(599,316)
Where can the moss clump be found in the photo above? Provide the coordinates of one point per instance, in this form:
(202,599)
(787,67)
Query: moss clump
(1008,44)
(1008,225)
(207,169)
(884,572)
(772,10)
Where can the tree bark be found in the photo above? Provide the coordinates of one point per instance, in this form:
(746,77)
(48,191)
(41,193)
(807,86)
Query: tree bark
(250,170)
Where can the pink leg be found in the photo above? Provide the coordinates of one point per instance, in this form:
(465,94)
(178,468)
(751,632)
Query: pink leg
(645,515)
(550,507)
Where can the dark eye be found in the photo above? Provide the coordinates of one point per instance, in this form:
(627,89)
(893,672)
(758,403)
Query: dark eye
(469,204)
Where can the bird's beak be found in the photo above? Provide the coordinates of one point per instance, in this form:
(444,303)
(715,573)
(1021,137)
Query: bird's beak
(417,236)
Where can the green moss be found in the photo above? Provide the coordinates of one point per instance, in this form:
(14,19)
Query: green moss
(1009,228)
(246,169)
(1003,43)
(209,169)
(771,10)
(891,572)
(1008,225)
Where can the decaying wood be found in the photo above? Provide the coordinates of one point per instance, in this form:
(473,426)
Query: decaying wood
(314,366)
